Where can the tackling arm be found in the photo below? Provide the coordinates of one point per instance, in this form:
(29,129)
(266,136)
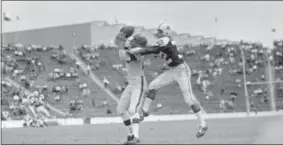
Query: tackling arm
(146,50)
(155,49)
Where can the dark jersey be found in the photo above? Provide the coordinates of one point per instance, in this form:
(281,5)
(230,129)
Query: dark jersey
(167,50)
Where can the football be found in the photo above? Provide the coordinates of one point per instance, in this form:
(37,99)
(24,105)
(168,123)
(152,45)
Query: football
(128,30)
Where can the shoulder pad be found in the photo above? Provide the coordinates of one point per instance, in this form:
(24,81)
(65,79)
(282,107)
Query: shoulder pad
(163,41)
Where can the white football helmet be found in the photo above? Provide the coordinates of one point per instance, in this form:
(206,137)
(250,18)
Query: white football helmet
(163,29)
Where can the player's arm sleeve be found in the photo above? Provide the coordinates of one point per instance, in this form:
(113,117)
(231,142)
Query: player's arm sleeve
(161,43)
(144,51)
(151,50)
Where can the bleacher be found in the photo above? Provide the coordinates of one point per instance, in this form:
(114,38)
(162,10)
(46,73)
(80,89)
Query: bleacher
(171,97)
(74,93)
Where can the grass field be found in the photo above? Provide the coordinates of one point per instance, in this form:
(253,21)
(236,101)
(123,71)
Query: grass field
(221,131)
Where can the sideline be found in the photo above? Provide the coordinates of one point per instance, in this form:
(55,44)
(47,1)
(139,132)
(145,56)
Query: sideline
(152,118)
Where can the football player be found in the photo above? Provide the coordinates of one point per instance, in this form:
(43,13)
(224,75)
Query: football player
(177,71)
(130,102)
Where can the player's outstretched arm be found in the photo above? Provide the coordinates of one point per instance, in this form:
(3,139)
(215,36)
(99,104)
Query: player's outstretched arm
(145,50)
(155,49)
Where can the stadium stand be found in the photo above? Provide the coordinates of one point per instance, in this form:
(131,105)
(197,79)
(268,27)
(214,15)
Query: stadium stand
(216,69)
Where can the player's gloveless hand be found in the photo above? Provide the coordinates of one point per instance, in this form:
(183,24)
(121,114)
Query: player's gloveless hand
(165,67)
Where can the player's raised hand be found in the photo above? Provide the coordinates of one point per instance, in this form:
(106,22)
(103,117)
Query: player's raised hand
(123,35)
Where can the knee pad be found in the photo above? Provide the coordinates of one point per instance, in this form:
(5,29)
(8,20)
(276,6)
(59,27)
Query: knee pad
(136,120)
(151,94)
(127,122)
(195,108)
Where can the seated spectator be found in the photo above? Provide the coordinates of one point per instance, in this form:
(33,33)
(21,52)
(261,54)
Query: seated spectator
(106,82)
(85,92)
(58,98)
(109,112)
(222,105)
(83,86)
(233,96)
(60,89)
(19,53)
(76,105)
(208,95)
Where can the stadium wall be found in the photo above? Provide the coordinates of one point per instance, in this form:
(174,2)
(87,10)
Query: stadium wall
(103,33)
(88,33)
(52,36)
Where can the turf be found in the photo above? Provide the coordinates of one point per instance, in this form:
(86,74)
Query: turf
(221,131)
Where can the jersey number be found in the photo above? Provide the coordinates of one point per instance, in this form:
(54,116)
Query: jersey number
(164,56)
(160,42)
(180,56)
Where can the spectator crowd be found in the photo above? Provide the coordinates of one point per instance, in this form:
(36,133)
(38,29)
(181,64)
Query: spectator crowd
(49,73)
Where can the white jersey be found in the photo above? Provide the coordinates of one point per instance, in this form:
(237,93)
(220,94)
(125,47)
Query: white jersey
(135,68)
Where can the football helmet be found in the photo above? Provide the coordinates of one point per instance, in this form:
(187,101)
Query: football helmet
(163,29)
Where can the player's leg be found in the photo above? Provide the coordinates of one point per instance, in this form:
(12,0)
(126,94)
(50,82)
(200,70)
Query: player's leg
(145,86)
(122,110)
(160,81)
(183,78)
(136,102)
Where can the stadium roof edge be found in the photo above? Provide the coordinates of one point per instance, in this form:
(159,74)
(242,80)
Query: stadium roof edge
(54,26)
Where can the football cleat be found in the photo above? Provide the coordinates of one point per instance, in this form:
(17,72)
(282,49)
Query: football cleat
(129,138)
(202,131)
(133,141)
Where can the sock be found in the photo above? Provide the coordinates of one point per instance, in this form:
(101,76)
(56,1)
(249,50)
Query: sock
(200,118)
(196,109)
(127,122)
(135,125)
(150,96)
(146,104)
